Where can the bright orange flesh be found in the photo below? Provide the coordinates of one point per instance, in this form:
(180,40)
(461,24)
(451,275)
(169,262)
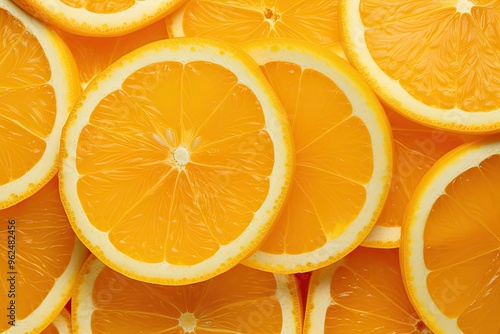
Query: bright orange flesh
(44,242)
(443,53)
(100,6)
(333,160)
(27,100)
(94,54)
(50,329)
(132,172)
(463,281)
(240,20)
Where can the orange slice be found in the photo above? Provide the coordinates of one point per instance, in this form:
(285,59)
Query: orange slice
(450,246)
(241,20)
(176,161)
(343,156)
(435,62)
(94,54)
(98,17)
(416,148)
(41,257)
(242,300)
(38,85)
(60,325)
(362,293)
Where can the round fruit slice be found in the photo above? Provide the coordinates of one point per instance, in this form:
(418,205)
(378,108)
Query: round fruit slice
(243,20)
(41,257)
(38,86)
(241,300)
(362,293)
(98,17)
(343,156)
(416,148)
(60,325)
(450,246)
(435,62)
(176,161)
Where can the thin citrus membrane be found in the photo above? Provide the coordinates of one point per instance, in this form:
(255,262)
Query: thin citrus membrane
(343,156)
(38,85)
(241,300)
(176,161)
(450,241)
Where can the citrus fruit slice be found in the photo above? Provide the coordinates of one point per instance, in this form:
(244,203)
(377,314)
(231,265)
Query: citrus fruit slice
(242,20)
(433,61)
(94,54)
(362,293)
(41,257)
(450,245)
(416,148)
(98,17)
(241,300)
(60,325)
(343,156)
(38,85)
(176,161)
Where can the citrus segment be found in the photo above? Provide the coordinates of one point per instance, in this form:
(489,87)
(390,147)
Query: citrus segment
(42,259)
(60,325)
(435,62)
(176,161)
(362,293)
(242,300)
(243,20)
(450,241)
(343,156)
(37,90)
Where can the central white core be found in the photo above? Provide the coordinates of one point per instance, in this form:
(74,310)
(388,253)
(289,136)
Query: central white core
(188,322)
(181,155)
(464,6)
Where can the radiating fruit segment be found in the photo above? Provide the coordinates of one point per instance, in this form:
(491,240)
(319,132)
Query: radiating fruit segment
(362,293)
(242,300)
(343,156)
(451,241)
(60,325)
(176,161)
(38,85)
(41,258)
(242,20)
(98,17)
(434,61)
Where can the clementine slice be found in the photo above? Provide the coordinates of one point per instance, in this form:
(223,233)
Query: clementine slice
(60,325)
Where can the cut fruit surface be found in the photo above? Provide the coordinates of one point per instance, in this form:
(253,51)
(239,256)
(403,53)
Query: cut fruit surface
(416,149)
(435,62)
(176,161)
(450,248)
(242,300)
(38,85)
(242,20)
(42,257)
(362,293)
(343,156)
(98,17)
(60,325)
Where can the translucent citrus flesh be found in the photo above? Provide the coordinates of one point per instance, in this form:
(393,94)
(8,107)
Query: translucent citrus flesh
(93,55)
(100,6)
(416,149)
(240,20)
(243,300)
(369,296)
(443,53)
(333,160)
(27,100)
(462,248)
(50,329)
(44,242)
(175,163)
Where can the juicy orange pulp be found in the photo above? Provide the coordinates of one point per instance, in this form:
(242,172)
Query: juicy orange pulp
(159,109)
(323,162)
(99,6)
(463,281)
(27,100)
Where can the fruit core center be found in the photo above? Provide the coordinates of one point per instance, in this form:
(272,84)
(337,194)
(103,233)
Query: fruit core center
(181,156)
(271,15)
(187,321)
(464,6)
